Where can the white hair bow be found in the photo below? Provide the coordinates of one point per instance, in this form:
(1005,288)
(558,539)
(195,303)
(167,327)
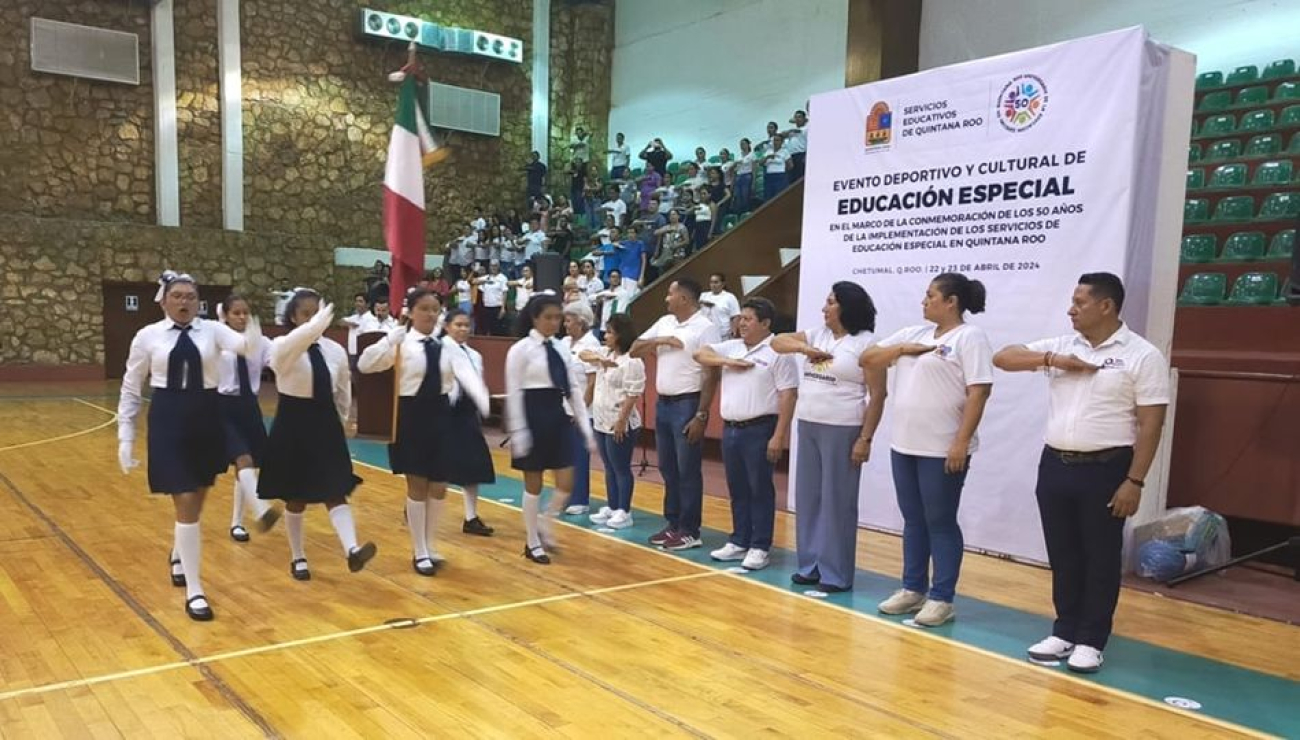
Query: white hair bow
(167,278)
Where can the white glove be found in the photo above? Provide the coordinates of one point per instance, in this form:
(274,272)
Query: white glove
(253,335)
(397,335)
(324,316)
(521,443)
(125,456)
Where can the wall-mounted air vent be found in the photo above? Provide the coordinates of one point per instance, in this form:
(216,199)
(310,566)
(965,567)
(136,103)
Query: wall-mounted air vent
(85,51)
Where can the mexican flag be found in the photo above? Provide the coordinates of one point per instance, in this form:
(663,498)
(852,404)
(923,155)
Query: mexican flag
(410,150)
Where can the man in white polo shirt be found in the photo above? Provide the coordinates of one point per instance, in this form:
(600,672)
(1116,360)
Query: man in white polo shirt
(682,410)
(758,396)
(1108,390)
(489,315)
(720,304)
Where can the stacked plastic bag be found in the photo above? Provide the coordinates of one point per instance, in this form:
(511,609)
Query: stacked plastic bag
(1180,541)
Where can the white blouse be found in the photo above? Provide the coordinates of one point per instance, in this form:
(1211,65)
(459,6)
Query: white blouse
(614,385)
(292,366)
(150,350)
(527,368)
(456,368)
(228,374)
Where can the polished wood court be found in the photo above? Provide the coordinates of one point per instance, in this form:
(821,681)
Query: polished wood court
(613,640)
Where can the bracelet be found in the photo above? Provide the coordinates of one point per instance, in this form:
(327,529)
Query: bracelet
(1047,359)
(864,439)
(1135,481)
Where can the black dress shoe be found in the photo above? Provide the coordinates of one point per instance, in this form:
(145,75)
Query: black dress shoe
(829,589)
(476,526)
(200,613)
(178,579)
(426,566)
(299,574)
(238,533)
(803,580)
(358,558)
(537,555)
(268,520)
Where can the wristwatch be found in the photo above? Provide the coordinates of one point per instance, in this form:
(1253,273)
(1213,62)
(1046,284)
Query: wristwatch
(702,416)
(1135,481)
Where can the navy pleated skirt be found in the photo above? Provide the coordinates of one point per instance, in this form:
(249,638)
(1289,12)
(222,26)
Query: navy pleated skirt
(552,440)
(420,447)
(241,420)
(469,461)
(186,445)
(306,456)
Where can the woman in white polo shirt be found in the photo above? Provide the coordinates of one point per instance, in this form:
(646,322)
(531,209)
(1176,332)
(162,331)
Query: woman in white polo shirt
(944,374)
(839,407)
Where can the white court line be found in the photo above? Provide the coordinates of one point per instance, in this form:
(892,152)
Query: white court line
(62,437)
(332,636)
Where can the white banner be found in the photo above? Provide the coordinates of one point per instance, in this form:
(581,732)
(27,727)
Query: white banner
(1022,171)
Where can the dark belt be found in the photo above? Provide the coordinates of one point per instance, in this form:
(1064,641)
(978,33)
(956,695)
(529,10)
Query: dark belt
(1088,458)
(750,422)
(680,397)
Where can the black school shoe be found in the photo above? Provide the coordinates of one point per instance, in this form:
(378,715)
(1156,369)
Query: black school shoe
(178,579)
(299,574)
(238,533)
(201,613)
(476,526)
(426,566)
(358,558)
(537,555)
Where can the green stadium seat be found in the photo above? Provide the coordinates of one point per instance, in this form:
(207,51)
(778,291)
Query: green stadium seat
(1279,68)
(1265,145)
(638,172)
(1282,246)
(746,215)
(1278,206)
(1204,289)
(1228,176)
(1226,149)
(1193,152)
(1257,120)
(1219,125)
(729,222)
(1290,116)
(1242,75)
(715,159)
(674,168)
(1215,101)
(1294,146)
(1235,208)
(1273,173)
(1287,91)
(1254,289)
(1250,96)
(1243,246)
(1196,210)
(1207,80)
(1198,248)
(1195,178)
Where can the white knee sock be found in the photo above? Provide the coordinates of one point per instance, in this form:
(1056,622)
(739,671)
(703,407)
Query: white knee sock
(434,513)
(532,504)
(248,481)
(471,502)
(293,525)
(188,548)
(553,508)
(237,510)
(416,511)
(341,518)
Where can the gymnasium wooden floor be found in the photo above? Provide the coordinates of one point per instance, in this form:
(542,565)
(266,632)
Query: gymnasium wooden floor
(615,639)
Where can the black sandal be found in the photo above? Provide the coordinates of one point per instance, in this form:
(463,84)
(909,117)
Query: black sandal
(426,566)
(299,574)
(537,555)
(201,613)
(178,579)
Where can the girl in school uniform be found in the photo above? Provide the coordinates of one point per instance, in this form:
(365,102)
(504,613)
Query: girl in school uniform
(179,358)
(431,373)
(471,466)
(239,380)
(539,378)
(306,459)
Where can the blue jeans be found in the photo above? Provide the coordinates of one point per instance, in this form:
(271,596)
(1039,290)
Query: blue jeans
(773,184)
(749,482)
(928,498)
(617,459)
(744,191)
(679,464)
(581,494)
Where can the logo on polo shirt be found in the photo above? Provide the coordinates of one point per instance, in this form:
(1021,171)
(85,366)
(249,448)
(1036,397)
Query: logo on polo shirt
(943,350)
(1112,363)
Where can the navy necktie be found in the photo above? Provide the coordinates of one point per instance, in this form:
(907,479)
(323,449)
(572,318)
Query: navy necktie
(558,368)
(184,364)
(245,382)
(320,375)
(432,383)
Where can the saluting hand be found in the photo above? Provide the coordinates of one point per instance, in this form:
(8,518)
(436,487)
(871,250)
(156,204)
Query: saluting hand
(1125,501)
(1072,364)
(913,349)
(816,356)
(738,364)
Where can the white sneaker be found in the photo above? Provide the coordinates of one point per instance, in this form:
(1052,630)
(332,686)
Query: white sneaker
(729,551)
(577,510)
(601,516)
(755,559)
(902,602)
(1053,648)
(619,520)
(1084,659)
(935,613)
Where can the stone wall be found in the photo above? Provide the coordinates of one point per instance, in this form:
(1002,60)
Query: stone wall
(76,157)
